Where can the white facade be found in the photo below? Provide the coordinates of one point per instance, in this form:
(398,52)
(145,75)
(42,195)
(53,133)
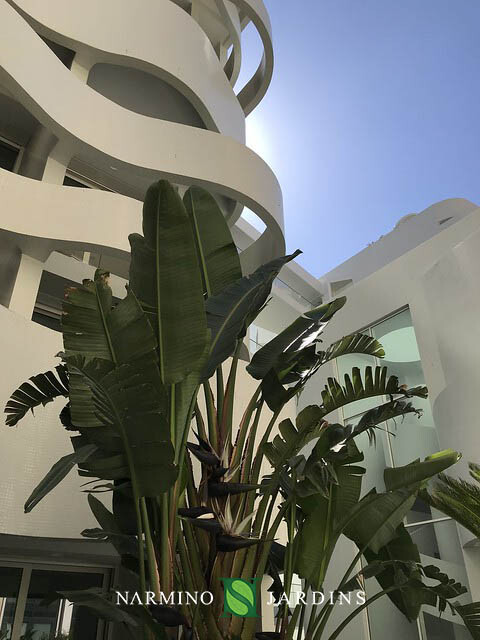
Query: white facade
(98,100)
(416,291)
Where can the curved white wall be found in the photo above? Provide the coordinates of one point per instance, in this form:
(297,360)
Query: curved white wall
(190,128)
(91,127)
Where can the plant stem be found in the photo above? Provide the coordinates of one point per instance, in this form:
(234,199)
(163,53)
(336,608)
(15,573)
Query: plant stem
(151,560)
(211,416)
(220,400)
(164,545)
(243,429)
(228,401)
(366,604)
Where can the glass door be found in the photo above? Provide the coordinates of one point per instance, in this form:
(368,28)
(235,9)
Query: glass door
(27,611)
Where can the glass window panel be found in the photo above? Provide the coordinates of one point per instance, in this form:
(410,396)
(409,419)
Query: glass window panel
(10,578)
(442,629)
(383,615)
(59,619)
(439,544)
(8,156)
(376,457)
(414,437)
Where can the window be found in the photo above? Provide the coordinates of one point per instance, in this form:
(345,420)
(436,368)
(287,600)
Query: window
(25,610)
(258,337)
(8,155)
(399,443)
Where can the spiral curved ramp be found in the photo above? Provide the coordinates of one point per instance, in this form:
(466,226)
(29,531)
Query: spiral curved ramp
(91,127)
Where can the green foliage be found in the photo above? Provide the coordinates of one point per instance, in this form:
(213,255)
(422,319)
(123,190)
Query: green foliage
(165,276)
(188,506)
(459,499)
(42,389)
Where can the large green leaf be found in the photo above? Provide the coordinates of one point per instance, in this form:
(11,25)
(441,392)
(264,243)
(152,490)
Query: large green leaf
(40,390)
(93,328)
(57,473)
(301,333)
(310,420)
(319,532)
(387,411)
(229,312)
(402,548)
(110,530)
(100,602)
(417,472)
(127,400)
(354,343)
(217,253)
(373,383)
(458,499)
(166,278)
(373,521)
(470,614)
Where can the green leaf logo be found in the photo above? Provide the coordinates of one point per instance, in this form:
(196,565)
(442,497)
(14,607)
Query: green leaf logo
(240,597)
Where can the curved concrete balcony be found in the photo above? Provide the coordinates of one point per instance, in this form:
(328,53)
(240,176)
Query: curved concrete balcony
(101,133)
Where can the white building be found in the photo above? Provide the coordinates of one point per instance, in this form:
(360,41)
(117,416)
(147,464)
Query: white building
(416,291)
(101,99)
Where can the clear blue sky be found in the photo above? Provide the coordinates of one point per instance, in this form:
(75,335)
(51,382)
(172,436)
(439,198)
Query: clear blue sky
(373,113)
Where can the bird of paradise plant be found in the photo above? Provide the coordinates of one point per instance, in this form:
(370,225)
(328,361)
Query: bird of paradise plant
(152,423)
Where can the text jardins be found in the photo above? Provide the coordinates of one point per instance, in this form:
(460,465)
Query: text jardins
(206,598)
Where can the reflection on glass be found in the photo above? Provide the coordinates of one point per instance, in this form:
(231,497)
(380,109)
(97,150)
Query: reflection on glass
(58,620)
(442,629)
(413,437)
(10,578)
(383,615)
(440,541)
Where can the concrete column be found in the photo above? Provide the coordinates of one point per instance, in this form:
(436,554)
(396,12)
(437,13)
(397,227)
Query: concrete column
(81,66)
(45,157)
(25,289)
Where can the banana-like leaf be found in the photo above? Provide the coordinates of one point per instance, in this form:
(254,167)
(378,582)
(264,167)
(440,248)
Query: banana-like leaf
(301,333)
(303,363)
(109,529)
(56,474)
(470,614)
(40,390)
(319,532)
(125,398)
(373,521)
(354,343)
(93,328)
(417,472)
(400,548)
(100,602)
(375,383)
(388,411)
(458,499)
(166,278)
(217,253)
(309,420)
(230,312)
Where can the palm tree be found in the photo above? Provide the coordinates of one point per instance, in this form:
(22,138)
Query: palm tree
(459,499)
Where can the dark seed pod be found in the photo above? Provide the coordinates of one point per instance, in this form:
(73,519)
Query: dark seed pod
(194,512)
(222,489)
(226,543)
(205,457)
(167,616)
(219,472)
(211,525)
